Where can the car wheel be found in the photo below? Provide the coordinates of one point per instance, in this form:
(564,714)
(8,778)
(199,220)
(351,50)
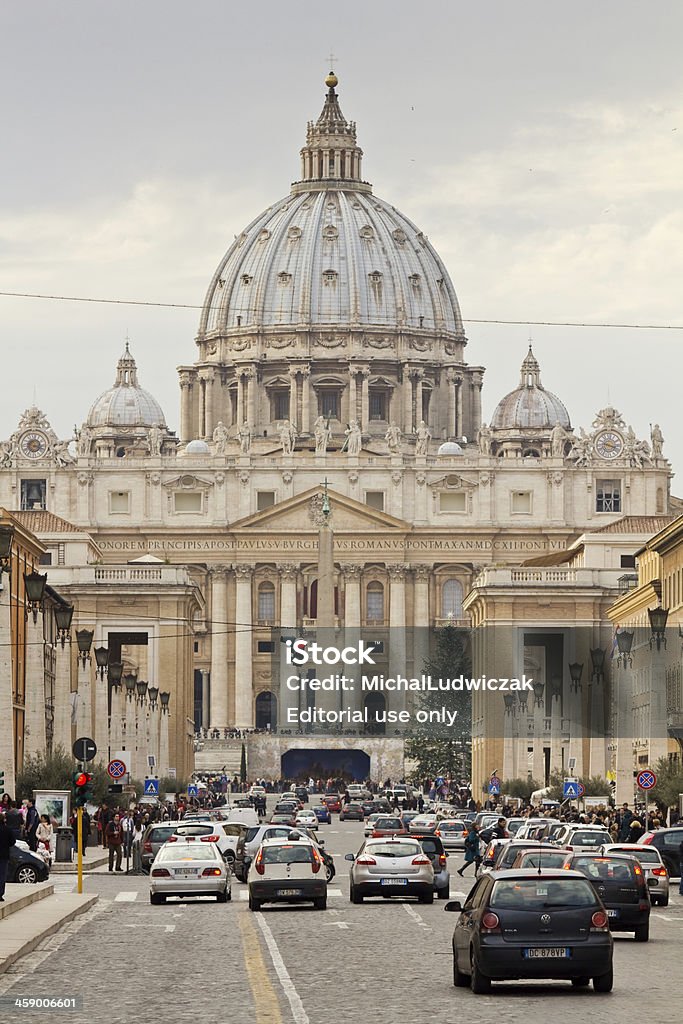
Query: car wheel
(580,982)
(427,898)
(320,903)
(26,875)
(254,904)
(222,897)
(642,932)
(664,902)
(156,898)
(354,896)
(479,983)
(329,872)
(604,983)
(460,980)
(443,894)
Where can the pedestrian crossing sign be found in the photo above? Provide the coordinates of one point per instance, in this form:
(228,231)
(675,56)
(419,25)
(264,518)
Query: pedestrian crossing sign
(151,787)
(570,790)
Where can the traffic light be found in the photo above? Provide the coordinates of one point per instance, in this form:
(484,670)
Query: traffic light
(2,781)
(82,788)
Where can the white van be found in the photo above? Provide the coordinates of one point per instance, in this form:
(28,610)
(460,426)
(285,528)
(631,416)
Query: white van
(244,815)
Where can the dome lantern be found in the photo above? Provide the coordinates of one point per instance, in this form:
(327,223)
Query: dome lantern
(331,152)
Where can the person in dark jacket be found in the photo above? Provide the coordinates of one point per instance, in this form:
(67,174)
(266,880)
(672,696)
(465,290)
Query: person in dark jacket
(31,824)
(472,848)
(14,820)
(7,840)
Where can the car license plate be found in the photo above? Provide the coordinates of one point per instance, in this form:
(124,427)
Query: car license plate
(289,892)
(393,881)
(186,871)
(613,913)
(549,952)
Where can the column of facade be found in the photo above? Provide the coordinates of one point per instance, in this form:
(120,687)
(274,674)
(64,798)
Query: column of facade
(397,625)
(218,717)
(251,396)
(129,731)
(201,425)
(477,384)
(407,400)
(418,398)
(352,630)
(164,757)
(186,431)
(556,726)
(576,727)
(294,398)
(7,751)
(538,711)
(241,398)
(451,429)
(153,735)
(306,400)
(597,750)
(288,617)
(116,727)
(35,735)
(353,405)
(243,648)
(208,379)
(421,618)
(61,735)
(84,712)
(365,398)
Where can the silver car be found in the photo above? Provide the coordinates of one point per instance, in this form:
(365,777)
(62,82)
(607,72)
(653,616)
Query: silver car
(650,859)
(189,867)
(391,866)
(452,832)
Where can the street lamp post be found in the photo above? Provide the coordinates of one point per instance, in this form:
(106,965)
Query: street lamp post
(37,697)
(115,673)
(129,683)
(102,704)
(164,697)
(7,737)
(63,614)
(84,639)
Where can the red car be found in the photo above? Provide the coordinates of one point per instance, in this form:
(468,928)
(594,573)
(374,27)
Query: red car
(332,801)
(389,827)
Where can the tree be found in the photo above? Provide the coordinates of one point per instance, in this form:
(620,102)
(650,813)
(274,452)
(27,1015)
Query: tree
(594,785)
(439,750)
(669,784)
(519,789)
(243,764)
(55,771)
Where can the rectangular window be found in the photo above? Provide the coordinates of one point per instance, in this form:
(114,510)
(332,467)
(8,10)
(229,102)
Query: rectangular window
(455,501)
(520,502)
(378,405)
(187,501)
(119,502)
(608,496)
(328,403)
(264,500)
(33,493)
(375,602)
(628,561)
(375,499)
(281,405)
(265,647)
(45,558)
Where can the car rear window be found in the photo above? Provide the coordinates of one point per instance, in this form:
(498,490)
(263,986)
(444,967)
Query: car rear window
(538,893)
(605,868)
(194,830)
(250,834)
(589,838)
(393,850)
(452,826)
(645,854)
(673,838)
(161,834)
(287,855)
(176,851)
(544,859)
(388,823)
(431,846)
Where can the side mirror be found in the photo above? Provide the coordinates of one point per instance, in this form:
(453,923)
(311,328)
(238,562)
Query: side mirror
(453,906)
(321,843)
(349,856)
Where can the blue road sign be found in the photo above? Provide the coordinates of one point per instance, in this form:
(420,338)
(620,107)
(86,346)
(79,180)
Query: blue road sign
(192,790)
(494,786)
(646,779)
(151,787)
(570,790)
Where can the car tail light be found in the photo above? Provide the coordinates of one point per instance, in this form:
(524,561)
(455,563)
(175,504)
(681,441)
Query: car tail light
(376,834)
(147,846)
(647,840)
(599,921)
(160,873)
(643,905)
(212,872)
(437,832)
(258,863)
(172,839)
(660,872)
(442,860)
(316,862)
(366,860)
(490,922)
(209,839)
(420,859)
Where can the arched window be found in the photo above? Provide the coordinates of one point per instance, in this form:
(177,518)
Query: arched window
(451,600)
(266,602)
(266,710)
(375,602)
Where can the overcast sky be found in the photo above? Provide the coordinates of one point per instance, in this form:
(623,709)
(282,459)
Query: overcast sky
(538,145)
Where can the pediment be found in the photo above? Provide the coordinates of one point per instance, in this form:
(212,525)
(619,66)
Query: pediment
(303,513)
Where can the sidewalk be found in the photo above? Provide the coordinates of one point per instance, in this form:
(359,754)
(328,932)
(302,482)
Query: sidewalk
(31,913)
(94,858)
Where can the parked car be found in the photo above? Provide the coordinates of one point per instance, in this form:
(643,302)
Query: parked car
(392,866)
(650,860)
(287,870)
(189,867)
(620,883)
(668,842)
(522,925)
(26,867)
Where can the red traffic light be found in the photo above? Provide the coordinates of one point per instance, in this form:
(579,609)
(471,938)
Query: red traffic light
(81,779)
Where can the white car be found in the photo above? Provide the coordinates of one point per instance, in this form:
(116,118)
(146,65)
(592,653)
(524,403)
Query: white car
(225,834)
(287,870)
(452,833)
(582,838)
(189,868)
(423,823)
(307,819)
(370,823)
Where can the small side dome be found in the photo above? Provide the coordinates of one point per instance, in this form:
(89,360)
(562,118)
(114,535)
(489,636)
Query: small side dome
(450,448)
(530,406)
(196,448)
(126,404)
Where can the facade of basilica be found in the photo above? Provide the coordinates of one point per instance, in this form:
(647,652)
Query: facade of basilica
(330,348)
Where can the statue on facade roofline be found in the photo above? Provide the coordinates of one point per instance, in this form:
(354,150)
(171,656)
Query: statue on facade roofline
(322,434)
(657,440)
(244,438)
(354,438)
(393,439)
(424,436)
(288,436)
(558,436)
(220,438)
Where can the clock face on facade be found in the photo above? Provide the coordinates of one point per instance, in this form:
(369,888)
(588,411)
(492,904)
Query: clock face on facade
(609,444)
(33,444)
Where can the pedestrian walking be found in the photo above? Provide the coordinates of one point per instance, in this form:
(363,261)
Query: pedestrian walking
(14,820)
(31,824)
(472,854)
(114,836)
(7,840)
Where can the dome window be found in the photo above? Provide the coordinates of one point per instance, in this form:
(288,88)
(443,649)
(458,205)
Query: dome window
(367,232)
(284,278)
(264,235)
(330,278)
(400,237)
(415,282)
(294,234)
(375,279)
(330,232)
(246,279)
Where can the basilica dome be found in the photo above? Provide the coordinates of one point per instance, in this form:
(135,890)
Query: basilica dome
(331,253)
(126,404)
(530,405)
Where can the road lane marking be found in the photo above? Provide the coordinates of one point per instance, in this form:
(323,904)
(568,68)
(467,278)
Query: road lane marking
(335,924)
(126,897)
(334,892)
(411,912)
(297,1007)
(266,1003)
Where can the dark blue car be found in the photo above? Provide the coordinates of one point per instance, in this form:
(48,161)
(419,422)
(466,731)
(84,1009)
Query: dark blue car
(323,815)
